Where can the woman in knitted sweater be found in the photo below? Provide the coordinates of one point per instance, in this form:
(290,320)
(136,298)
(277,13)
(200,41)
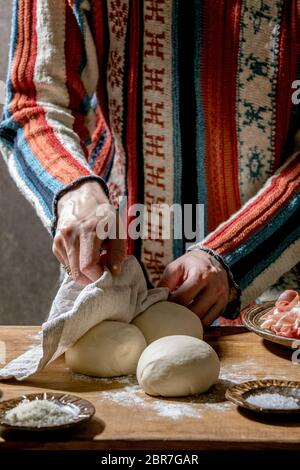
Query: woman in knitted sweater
(164,102)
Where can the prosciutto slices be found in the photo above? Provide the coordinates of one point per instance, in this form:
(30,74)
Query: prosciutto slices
(284,318)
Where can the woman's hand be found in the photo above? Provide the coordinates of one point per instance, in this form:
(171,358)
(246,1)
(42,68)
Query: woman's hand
(83,215)
(199,282)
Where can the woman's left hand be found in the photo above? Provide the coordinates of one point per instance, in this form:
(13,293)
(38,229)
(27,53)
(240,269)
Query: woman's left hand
(198,281)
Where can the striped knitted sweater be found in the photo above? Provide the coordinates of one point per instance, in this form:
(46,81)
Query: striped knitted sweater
(170,101)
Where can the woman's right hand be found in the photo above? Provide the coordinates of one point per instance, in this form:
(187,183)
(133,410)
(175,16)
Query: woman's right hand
(83,216)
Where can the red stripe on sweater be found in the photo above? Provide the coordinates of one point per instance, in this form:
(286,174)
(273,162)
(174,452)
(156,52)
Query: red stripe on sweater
(98,27)
(104,154)
(131,136)
(259,212)
(219,70)
(24,57)
(56,160)
(73,54)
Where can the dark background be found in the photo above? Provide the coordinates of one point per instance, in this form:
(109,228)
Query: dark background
(28,270)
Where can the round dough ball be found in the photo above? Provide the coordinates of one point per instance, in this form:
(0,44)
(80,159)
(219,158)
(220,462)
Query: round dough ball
(176,366)
(168,318)
(109,349)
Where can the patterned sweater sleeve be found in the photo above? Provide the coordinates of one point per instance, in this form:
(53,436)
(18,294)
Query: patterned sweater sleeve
(50,83)
(261,241)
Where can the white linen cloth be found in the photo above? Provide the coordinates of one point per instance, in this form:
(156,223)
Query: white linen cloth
(76,309)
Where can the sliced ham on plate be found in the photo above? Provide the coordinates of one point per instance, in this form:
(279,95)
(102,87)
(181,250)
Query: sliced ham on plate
(284,318)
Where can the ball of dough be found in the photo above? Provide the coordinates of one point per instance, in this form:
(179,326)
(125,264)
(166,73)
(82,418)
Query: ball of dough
(176,366)
(109,349)
(168,318)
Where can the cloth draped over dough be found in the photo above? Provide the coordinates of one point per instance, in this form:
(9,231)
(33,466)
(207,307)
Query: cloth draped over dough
(76,309)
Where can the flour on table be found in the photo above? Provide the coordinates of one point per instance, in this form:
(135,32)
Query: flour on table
(130,395)
(133,396)
(240,372)
(127,393)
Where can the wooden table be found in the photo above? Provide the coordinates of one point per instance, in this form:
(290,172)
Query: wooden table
(128,419)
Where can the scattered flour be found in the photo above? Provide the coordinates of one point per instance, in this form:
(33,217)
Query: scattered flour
(126,392)
(242,372)
(133,396)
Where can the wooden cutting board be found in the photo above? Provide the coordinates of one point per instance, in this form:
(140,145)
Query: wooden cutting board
(128,419)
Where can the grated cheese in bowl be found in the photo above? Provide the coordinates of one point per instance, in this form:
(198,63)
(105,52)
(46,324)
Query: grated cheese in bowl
(39,413)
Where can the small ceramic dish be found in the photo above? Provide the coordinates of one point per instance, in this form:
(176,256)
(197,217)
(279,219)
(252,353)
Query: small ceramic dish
(267,396)
(86,411)
(253,317)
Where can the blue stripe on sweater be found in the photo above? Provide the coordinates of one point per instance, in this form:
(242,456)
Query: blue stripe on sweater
(97,149)
(52,184)
(42,184)
(265,232)
(177,152)
(200,122)
(268,260)
(32,184)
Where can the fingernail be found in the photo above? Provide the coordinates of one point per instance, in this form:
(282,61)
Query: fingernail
(116,267)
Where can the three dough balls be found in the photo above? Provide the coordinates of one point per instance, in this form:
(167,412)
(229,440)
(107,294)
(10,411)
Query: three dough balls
(176,361)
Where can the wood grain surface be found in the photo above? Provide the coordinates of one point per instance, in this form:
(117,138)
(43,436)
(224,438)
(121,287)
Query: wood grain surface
(128,419)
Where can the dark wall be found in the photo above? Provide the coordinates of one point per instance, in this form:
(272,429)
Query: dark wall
(28,270)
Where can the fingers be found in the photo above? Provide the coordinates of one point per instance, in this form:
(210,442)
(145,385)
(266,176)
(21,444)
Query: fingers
(89,254)
(77,242)
(115,255)
(208,305)
(172,277)
(213,313)
(186,293)
(58,249)
(71,247)
(203,302)
(81,251)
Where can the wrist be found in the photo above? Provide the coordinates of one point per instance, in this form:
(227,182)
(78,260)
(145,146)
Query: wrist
(99,192)
(86,191)
(234,304)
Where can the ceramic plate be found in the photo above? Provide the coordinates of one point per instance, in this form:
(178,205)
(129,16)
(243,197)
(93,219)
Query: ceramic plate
(253,317)
(86,412)
(286,396)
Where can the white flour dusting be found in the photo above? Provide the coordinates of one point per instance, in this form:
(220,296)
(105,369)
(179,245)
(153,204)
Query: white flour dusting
(243,371)
(128,393)
(238,372)
(131,395)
